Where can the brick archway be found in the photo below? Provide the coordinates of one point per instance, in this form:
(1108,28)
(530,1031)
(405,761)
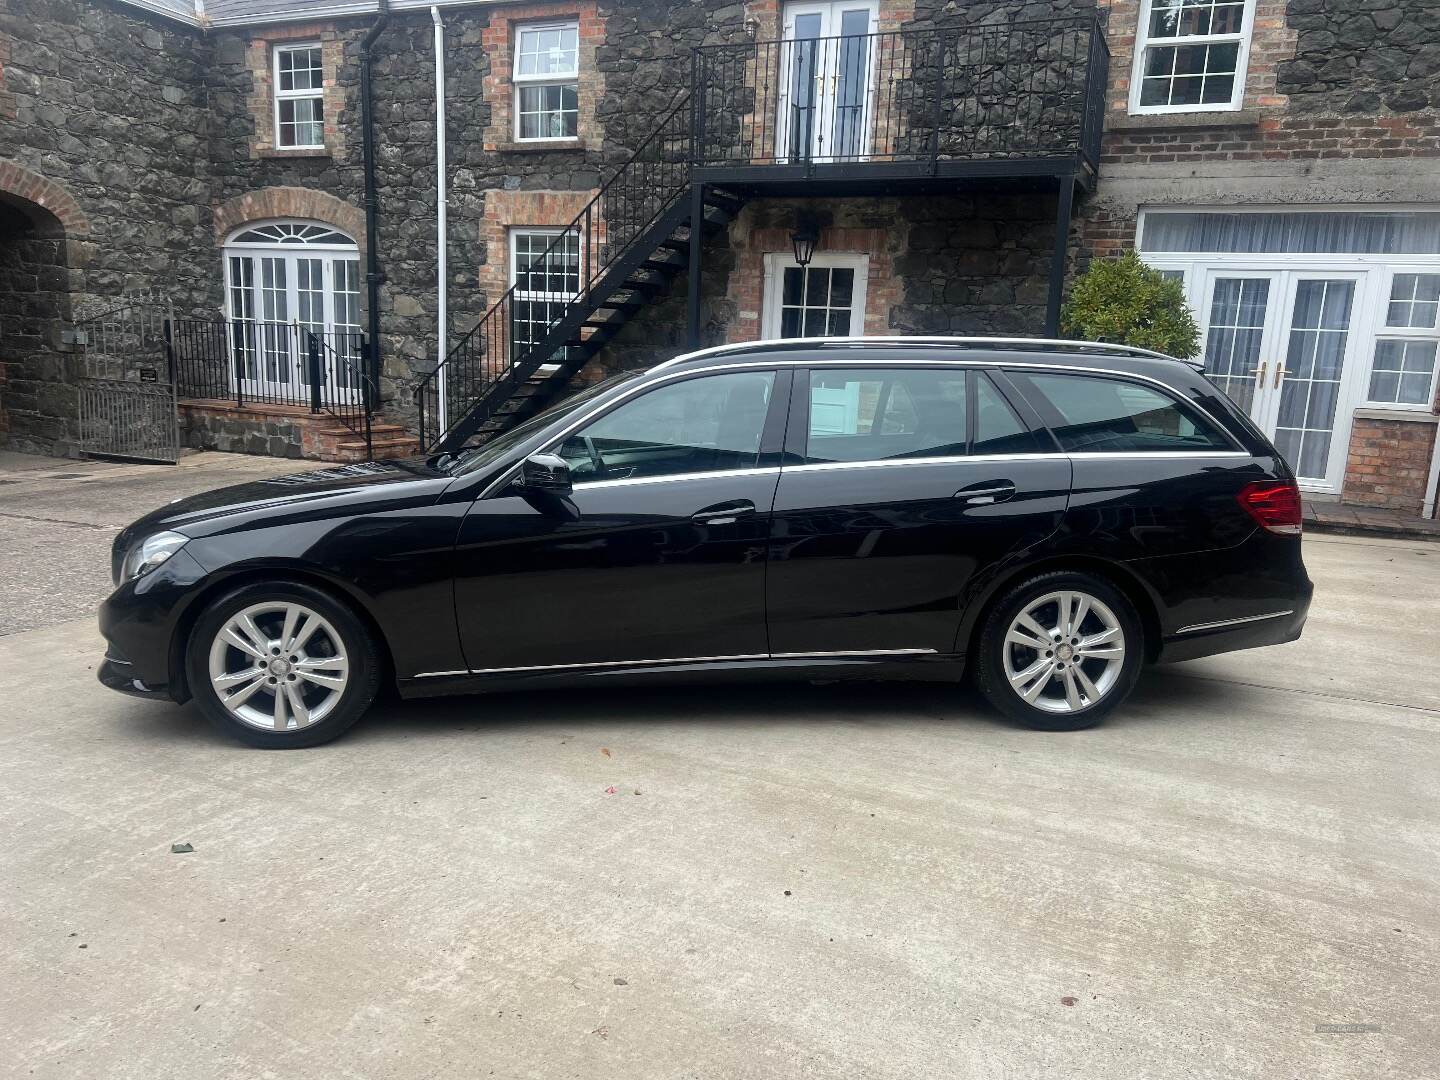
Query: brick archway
(47,194)
(289,202)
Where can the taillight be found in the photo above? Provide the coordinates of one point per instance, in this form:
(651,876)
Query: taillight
(1275,505)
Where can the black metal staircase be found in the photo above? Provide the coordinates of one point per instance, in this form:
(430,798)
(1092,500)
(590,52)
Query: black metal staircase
(621,252)
(913,109)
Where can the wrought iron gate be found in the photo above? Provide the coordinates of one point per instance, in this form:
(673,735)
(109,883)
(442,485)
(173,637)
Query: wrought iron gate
(127,406)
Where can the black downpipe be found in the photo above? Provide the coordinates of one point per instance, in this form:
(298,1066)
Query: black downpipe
(373,276)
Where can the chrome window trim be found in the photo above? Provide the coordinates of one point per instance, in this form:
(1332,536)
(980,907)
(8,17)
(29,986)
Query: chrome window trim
(645,383)
(1219,623)
(630,481)
(595,665)
(959,459)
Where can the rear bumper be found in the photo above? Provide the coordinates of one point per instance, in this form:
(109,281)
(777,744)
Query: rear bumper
(1250,632)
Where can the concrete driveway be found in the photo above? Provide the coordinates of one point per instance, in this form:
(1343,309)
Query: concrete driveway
(877,882)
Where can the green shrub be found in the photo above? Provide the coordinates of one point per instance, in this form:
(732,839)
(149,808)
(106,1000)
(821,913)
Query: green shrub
(1125,302)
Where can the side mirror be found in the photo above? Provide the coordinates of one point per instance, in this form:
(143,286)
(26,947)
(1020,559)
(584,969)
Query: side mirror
(549,473)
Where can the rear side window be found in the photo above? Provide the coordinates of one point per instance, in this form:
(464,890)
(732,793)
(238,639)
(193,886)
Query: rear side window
(871,415)
(894,413)
(1092,414)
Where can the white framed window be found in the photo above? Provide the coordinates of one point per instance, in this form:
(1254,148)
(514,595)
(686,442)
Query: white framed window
(547,81)
(1402,370)
(1190,55)
(545,272)
(299,81)
(825,298)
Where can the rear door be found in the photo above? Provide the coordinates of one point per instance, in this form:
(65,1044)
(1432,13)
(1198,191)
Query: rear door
(904,487)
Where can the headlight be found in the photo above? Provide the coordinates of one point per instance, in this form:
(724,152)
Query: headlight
(150,553)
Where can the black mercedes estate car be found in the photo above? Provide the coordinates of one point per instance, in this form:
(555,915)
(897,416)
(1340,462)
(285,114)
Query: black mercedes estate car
(1048,517)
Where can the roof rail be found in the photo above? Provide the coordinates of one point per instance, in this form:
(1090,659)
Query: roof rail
(962,342)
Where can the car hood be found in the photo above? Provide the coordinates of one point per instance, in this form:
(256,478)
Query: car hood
(341,485)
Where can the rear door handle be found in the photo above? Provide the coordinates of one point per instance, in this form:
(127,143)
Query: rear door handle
(987,493)
(724,513)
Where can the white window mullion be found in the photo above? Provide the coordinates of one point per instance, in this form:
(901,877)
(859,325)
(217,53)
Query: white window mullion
(1191,55)
(299,82)
(546,76)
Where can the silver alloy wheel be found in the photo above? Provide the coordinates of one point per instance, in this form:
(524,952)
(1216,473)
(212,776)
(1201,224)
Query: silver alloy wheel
(278,666)
(1064,652)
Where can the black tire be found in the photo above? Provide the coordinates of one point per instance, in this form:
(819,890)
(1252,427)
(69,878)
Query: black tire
(363,658)
(990,671)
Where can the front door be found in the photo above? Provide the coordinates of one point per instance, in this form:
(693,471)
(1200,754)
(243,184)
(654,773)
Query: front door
(1278,343)
(826,93)
(914,482)
(657,555)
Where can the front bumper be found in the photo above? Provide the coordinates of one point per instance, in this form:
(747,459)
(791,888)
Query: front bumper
(120,675)
(138,621)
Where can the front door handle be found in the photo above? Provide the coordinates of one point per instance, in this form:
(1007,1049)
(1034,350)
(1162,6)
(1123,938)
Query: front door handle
(724,513)
(987,493)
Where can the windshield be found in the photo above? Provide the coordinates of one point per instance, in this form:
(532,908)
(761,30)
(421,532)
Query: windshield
(480,457)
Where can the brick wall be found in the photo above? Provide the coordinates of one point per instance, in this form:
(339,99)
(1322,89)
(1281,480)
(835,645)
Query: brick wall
(1389,462)
(499,40)
(7,99)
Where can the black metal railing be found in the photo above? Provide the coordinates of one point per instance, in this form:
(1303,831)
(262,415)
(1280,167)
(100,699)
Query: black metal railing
(1015,89)
(1008,91)
(504,345)
(273,363)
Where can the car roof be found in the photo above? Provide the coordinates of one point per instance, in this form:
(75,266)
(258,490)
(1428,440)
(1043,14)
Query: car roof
(998,350)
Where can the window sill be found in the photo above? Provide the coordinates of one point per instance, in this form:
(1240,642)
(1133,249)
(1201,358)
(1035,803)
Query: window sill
(541,146)
(1167,121)
(293,152)
(1417,413)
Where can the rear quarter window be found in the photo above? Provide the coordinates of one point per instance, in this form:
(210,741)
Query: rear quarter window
(1097,414)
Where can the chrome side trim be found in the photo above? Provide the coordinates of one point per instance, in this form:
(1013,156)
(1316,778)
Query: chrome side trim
(611,664)
(852,652)
(1219,623)
(616,664)
(439,674)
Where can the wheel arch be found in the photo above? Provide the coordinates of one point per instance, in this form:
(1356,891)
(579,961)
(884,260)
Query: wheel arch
(284,573)
(1129,583)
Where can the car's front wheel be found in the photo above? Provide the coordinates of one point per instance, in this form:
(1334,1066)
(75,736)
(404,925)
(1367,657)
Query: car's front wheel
(1060,651)
(282,665)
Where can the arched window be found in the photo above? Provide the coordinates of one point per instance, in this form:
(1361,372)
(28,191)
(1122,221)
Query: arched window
(284,282)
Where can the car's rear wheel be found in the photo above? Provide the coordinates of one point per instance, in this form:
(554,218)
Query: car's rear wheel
(1060,651)
(282,665)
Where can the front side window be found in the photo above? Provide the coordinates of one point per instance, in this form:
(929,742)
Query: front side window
(709,424)
(547,81)
(1403,368)
(545,270)
(299,97)
(1190,55)
(1091,414)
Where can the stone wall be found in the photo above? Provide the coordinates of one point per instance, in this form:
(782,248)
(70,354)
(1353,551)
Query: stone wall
(103,128)
(1364,59)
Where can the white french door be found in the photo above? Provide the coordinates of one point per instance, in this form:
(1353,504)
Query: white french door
(826,85)
(278,296)
(1282,345)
